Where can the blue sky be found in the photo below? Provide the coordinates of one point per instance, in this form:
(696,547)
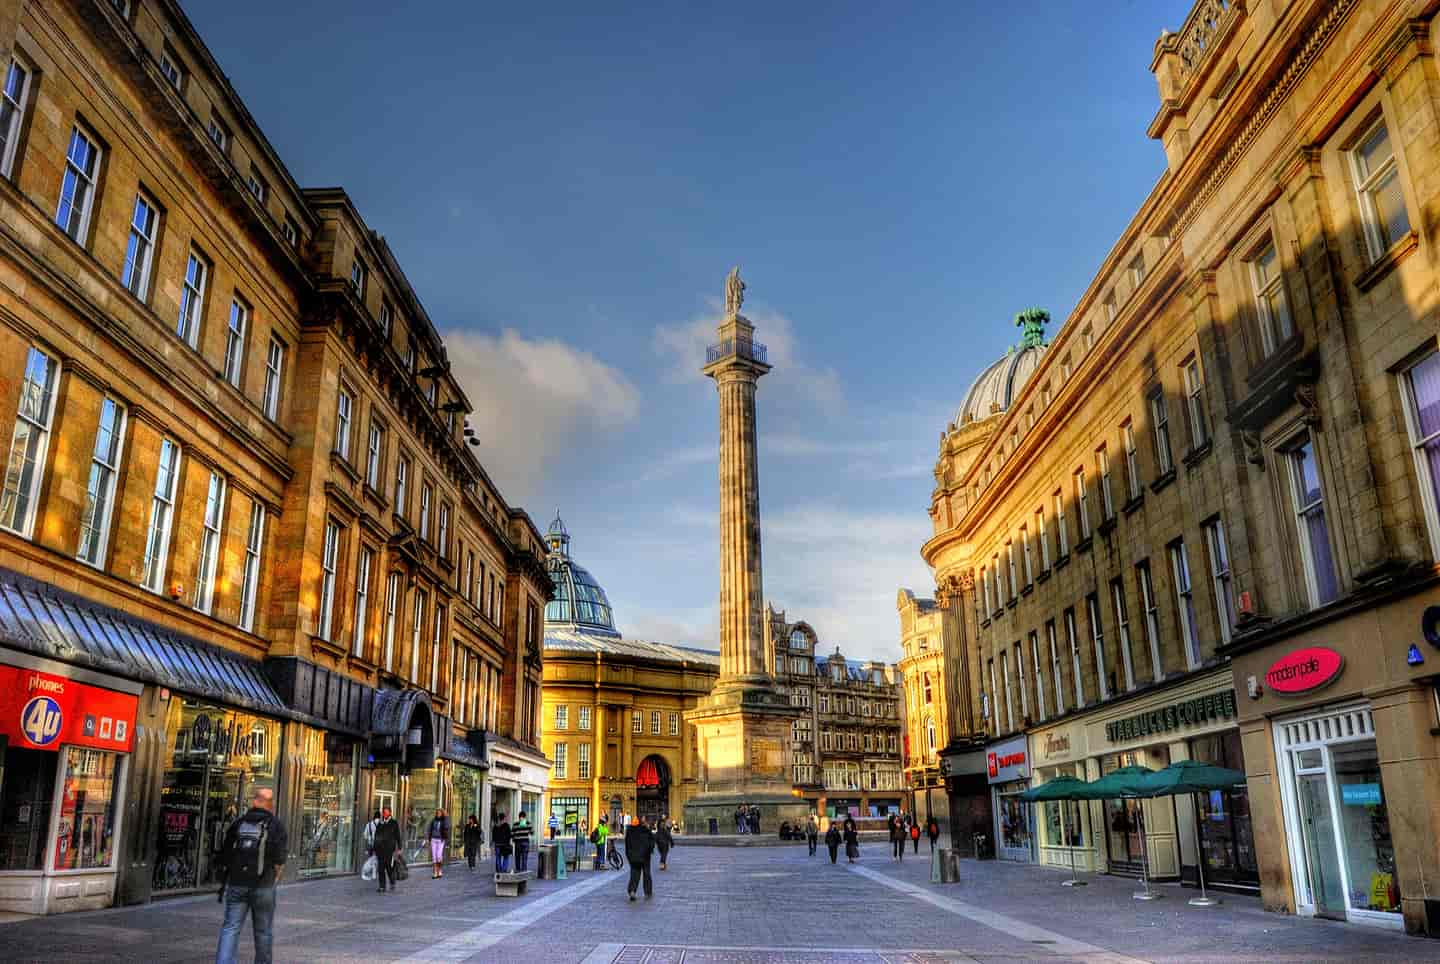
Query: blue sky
(567,185)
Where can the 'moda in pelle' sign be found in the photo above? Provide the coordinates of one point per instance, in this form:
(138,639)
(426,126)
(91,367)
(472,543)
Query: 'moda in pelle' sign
(1304,670)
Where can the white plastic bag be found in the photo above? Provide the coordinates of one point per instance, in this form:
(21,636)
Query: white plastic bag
(369,869)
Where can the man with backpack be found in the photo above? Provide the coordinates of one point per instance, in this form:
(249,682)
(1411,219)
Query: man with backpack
(250,861)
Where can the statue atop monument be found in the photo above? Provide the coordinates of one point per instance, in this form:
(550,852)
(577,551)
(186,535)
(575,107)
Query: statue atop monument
(734,293)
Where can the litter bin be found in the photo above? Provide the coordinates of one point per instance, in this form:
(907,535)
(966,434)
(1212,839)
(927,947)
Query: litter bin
(546,868)
(945,867)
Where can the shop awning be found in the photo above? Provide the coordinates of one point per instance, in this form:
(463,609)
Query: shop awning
(42,619)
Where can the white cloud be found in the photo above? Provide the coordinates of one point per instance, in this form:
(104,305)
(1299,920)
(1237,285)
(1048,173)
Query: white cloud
(531,399)
(684,344)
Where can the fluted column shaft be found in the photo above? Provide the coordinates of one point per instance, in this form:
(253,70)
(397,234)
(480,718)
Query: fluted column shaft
(742,635)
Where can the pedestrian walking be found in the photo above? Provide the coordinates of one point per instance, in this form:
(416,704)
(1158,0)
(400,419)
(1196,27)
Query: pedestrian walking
(740,814)
(932,830)
(832,840)
(914,837)
(639,844)
(520,835)
(597,837)
(554,826)
(754,819)
(473,838)
(370,833)
(251,856)
(389,846)
(852,840)
(896,831)
(501,838)
(812,832)
(438,833)
(664,840)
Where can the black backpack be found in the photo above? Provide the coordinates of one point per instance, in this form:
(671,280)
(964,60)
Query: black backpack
(247,857)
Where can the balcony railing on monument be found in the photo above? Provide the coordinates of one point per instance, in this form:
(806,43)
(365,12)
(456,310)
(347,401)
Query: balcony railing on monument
(751,350)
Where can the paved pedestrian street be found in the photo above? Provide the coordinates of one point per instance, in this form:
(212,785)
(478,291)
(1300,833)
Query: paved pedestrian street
(764,904)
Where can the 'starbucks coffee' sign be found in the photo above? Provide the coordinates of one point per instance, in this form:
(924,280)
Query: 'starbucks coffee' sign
(1201,709)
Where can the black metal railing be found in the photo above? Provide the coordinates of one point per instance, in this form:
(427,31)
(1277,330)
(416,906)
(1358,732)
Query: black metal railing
(752,350)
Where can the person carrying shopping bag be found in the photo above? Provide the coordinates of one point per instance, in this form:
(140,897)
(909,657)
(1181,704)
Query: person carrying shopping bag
(388,846)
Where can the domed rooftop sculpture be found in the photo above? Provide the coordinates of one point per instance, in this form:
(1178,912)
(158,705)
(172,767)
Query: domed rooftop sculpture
(996,387)
(579,601)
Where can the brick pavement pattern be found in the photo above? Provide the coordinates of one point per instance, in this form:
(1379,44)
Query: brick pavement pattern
(719,905)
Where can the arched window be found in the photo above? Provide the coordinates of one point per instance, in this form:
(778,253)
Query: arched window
(798,640)
(930,734)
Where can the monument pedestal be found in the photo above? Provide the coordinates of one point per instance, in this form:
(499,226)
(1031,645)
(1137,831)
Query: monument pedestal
(742,732)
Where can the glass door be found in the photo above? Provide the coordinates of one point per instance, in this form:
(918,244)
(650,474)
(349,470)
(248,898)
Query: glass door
(1322,861)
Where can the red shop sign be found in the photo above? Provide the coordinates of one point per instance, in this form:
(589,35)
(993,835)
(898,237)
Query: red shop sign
(41,711)
(1304,670)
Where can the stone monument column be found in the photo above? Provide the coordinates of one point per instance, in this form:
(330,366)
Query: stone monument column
(742,728)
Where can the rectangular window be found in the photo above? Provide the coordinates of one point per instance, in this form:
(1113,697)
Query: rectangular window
(1268,280)
(358,275)
(274,369)
(362,599)
(1132,462)
(655,722)
(1122,631)
(995,580)
(1010,565)
(442,538)
(1102,470)
(140,247)
(162,508)
(1087,339)
(1220,577)
(996,724)
(582,765)
(1185,600)
(1160,416)
(235,341)
(558,749)
(1062,536)
(373,450)
(636,725)
(1042,537)
(328,563)
(1029,556)
(392,613)
(985,590)
(1039,675)
(1109,307)
(1055,670)
(1195,405)
(192,299)
(436,629)
(415,630)
(1377,182)
(426,494)
(562,716)
(1024,684)
(1073,638)
(343,405)
(1311,525)
(77,186)
(219,134)
(1152,617)
(402,487)
(12,112)
(1421,388)
(469,588)
(100,490)
(250,577)
(674,724)
(1137,269)
(170,68)
(1097,640)
(584,717)
(1082,504)
(291,231)
(258,187)
(209,543)
(387,318)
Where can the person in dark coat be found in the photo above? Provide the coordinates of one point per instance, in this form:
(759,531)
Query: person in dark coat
(639,844)
(812,832)
(473,838)
(932,830)
(388,843)
(852,840)
(896,830)
(664,840)
(500,837)
(832,840)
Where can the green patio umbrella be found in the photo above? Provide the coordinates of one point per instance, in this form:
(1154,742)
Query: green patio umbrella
(1192,777)
(1058,790)
(1129,783)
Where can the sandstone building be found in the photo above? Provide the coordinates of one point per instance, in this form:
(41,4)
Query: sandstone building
(1201,522)
(244,541)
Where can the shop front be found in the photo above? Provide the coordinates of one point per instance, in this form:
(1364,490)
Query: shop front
(66,737)
(1340,726)
(1007,769)
(516,781)
(329,767)
(967,791)
(1065,831)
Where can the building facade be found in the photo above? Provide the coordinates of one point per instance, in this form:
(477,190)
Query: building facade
(614,708)
(1203,524)
(926,710)
(244,540)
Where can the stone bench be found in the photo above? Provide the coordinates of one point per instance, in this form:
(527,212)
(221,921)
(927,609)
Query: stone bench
(513,884)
